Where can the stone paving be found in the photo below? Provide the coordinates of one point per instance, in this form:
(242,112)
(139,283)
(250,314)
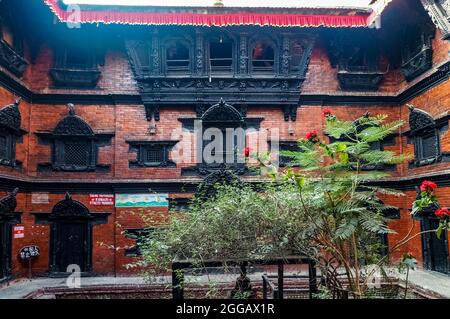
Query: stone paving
(425,280)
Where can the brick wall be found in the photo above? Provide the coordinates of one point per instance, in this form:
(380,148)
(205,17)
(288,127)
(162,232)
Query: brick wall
(128,123)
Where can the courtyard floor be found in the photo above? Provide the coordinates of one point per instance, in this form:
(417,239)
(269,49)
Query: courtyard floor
(432,283)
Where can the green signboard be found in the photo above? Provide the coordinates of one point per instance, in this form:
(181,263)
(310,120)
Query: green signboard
(142,200)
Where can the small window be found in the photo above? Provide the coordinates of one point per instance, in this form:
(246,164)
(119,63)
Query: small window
(288,146)
(263,57)
(177,57)
(426,147)
(153,155)
(221,55)
(138,235)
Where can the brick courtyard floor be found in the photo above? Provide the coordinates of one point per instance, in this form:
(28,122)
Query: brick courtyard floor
(432,282)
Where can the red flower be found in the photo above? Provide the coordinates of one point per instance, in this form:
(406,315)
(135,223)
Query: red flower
(247,151)
(428,186)
(311,136)
(442,212)
(327,112)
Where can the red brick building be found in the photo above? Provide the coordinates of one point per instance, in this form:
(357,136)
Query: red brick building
(139,77)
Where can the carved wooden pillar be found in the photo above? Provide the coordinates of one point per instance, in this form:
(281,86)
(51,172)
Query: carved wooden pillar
(243,53)
(156,59)
(285,55)
(199,52)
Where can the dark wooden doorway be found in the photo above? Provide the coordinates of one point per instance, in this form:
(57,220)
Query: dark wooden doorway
(435,250)
(72,245)
(70,235)
(3,247)
(8,218)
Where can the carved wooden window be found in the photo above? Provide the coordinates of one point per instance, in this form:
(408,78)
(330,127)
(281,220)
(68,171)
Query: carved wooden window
(75,58)
(152,154)
(221,55)
(73,154)
(413,42)
(137,234)
(141,59)
(11,44)
(417,51)
(77,153)
(143,55)
(426,146)
(177,57)
(287,146)
(297,56)
(11,38)
(425,135)
(75,67)
(10,132)
(7,148)
(263,57)
(74,145)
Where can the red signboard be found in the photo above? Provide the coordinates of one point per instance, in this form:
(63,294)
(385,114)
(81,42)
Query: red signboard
(19,231)
(101,200)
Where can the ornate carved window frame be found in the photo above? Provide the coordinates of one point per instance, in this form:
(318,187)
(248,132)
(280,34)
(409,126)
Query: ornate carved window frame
(11,57)
(221,115)
(274,43)
(141,69)
(10,122)
(341,47)
(142,147)
(198,89)
(423,125)
(420,59)
(65,75)
(226,37)
(73,129)
(185,41)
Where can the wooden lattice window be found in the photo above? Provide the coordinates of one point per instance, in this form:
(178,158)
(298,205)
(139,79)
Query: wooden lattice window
(428,146)
(76,153)
(152,154)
